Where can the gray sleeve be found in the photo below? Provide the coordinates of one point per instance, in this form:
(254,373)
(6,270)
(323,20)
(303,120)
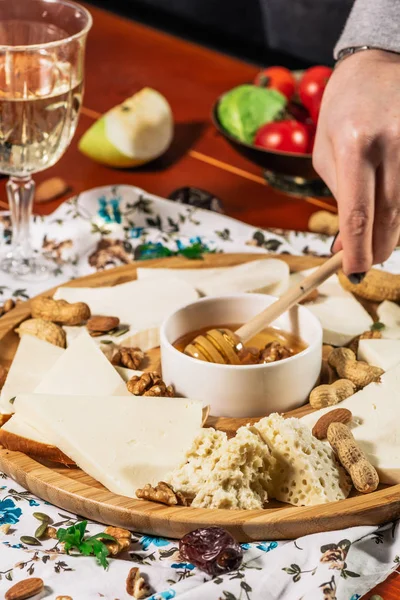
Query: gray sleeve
(372,23)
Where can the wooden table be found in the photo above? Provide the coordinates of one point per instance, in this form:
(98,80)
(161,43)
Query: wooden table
(123,57)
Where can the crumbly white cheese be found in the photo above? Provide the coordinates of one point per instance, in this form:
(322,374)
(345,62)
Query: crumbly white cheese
(305,471)
(199,462)
(240,477)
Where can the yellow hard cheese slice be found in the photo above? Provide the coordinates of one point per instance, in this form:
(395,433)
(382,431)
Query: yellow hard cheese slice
(122,442)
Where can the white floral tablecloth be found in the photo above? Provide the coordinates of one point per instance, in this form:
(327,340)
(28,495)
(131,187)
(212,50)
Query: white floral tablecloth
(110,226)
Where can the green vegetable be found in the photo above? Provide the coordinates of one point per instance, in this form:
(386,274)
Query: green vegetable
(377,326)
(244,109)
(73,537)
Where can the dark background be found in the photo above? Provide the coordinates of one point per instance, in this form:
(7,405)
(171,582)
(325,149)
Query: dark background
(239,28)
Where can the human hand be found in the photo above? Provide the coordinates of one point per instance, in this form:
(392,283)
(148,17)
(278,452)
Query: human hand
(357,154)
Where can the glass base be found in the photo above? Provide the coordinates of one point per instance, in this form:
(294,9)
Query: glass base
(35,268)
(297,186)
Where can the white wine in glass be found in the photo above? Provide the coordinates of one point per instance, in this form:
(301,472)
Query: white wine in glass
(42,46)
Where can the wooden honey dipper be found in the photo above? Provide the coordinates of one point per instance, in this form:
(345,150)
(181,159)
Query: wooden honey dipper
(222,345)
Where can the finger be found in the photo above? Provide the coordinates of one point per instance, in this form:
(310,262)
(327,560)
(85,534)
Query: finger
(356,198)
(337,243)
(323,161)
(387,211)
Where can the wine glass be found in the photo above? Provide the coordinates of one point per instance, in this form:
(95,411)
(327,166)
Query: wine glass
(42,47)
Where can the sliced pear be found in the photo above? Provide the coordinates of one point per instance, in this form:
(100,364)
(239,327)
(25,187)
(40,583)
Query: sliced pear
(132,133)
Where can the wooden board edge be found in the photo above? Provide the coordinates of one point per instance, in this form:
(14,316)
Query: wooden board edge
(155,519)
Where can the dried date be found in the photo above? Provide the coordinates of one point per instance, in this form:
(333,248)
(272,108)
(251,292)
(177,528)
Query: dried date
(211,549)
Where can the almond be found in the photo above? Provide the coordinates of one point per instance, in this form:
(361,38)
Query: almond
(25,589)
(338,415)
(50,189)
(100,323)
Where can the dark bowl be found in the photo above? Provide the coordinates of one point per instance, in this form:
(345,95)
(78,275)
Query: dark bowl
(280,168)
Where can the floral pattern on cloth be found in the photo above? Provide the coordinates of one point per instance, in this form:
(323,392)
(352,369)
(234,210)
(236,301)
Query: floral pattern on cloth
(339,565)
(111,226)
(107,227)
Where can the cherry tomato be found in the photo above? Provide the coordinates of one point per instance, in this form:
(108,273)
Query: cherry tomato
(286,136)
(312,86)
(277,78)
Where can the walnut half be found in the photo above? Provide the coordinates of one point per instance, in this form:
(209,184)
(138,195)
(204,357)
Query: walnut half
(131,358)
(136,586)
(162,493)
(274,351)
(149,384)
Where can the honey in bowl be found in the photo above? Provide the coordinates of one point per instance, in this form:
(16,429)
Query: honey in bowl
(269,345)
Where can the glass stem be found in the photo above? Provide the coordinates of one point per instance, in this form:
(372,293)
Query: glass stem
(20,192)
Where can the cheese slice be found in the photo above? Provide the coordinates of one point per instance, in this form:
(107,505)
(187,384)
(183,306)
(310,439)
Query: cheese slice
(389,314)
(191,276)
(330,287)
(32,361)
(305,471)
(341,315)
(342,318)
(375,425)
(267,276)
(19,435)
(127,374)
(380,353)
(82,369)
(124,443)
(138,304)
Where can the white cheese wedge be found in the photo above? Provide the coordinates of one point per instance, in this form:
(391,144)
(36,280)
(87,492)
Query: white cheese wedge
(127,374)
(124,443)
(268,276)
(191,276)
(32,361)
(138,304)
(330,287)
(342,318)
(389,314)
(305,471)
(19,426)
(375,425)
(82,369)
(379,353)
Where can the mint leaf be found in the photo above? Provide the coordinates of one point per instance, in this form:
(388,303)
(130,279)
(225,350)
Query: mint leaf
(378,326)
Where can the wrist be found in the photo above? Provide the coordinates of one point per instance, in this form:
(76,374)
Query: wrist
(366,51)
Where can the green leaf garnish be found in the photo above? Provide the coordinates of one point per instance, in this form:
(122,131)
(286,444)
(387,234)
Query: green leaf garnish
(73,538)
(378,326)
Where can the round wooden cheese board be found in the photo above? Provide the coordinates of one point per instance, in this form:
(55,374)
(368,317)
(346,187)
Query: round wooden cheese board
(73,490)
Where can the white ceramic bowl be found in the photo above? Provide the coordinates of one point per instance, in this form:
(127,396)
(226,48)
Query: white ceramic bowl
(246,390)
